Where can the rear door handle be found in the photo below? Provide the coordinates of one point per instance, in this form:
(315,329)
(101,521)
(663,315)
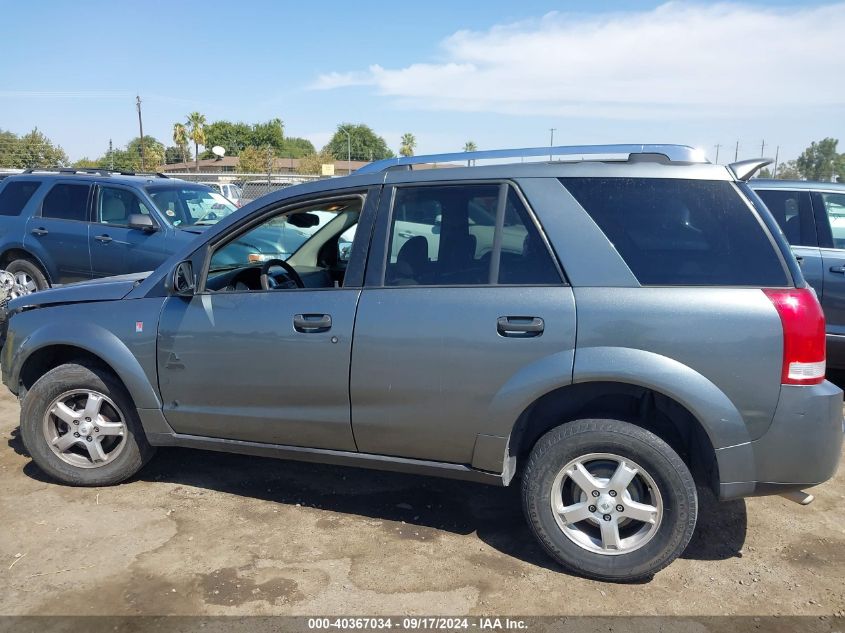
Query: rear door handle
(312,323)
(39,231)
(520,326)
(838,269)
(105,239)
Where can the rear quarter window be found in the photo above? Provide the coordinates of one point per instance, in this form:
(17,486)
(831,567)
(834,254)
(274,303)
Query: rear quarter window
(676,232)
(15,195)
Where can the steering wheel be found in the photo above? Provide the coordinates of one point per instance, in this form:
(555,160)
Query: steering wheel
(268,281)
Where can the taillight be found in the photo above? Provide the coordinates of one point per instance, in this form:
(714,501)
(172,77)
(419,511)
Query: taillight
(803,335)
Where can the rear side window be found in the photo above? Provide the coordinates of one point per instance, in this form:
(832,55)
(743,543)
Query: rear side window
(674,232)
(66,202)
(794,213)
(15,195)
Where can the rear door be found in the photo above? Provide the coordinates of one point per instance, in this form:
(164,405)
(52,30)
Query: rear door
(793,211)
(58,233)
(116,248)
(451,320)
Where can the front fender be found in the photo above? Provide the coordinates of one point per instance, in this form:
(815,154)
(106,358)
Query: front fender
(131,355)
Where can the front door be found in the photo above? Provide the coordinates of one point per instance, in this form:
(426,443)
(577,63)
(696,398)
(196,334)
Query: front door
(116,248)
(267,361)
(446,337)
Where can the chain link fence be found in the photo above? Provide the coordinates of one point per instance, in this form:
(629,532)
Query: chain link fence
(252,186)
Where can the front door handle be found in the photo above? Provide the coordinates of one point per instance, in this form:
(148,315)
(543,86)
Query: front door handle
(520,326)
(39,231)
(312,323)
(838,269)
(105,239)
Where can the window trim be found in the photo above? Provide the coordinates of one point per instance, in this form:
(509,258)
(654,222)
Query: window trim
(380,249)
(288,206)
(95,206)
(88,202)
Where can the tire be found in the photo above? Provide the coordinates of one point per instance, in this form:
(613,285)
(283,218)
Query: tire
(662,490)
(124,450)
(28,275)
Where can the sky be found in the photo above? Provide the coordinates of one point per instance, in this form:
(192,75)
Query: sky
(497,72)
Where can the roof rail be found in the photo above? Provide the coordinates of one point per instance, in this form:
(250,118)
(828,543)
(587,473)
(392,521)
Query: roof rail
(95,171)
(674,153)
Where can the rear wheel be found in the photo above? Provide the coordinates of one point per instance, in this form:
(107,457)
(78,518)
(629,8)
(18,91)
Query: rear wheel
(81,428)
(608,499)
(28,276)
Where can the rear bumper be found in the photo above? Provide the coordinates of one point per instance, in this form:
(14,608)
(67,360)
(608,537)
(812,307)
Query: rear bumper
(802,447)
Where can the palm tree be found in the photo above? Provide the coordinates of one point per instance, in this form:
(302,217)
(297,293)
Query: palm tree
(408,144)
(180,138)
(470,146)
(196,132)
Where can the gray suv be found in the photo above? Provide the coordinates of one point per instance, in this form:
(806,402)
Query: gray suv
(608,332)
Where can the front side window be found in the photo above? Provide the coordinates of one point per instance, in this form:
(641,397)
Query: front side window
(794,213)
(114,206)
(190,205)
(307,247)
(834,207)
(66,202)
(15,195)
(446,235)
(677,232)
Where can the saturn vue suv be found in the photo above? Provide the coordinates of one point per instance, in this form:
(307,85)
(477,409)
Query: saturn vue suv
(611,331)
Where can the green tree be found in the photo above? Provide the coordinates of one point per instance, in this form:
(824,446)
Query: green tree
(233,137)
(821,161)
(312,164)
(174,154)
(269,134)
(253,160)
(180,137)
(153,153)
(470,146)
(295,147)
(196,133)
(87,163)
(365,144)
(408,144)
(788,171)
(30,150)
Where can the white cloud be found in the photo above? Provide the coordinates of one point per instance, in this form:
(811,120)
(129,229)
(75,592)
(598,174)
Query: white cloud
(678,60)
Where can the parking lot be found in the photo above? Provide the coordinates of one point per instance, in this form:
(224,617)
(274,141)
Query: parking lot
(213,533)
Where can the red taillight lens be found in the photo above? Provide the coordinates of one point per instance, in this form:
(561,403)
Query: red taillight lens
(803,335)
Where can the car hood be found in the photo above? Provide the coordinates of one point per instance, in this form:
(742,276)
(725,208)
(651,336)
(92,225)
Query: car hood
(104,289)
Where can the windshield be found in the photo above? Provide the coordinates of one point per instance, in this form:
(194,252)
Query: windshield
(190,206)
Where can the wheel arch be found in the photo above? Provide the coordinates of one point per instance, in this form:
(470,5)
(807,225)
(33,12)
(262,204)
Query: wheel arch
(12,253)
(48,347)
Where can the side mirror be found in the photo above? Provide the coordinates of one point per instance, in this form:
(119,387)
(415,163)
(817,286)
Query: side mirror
(141,222)
(344,250)
(183,279)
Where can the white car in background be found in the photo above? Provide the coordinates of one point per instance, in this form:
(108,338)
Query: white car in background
(227,190)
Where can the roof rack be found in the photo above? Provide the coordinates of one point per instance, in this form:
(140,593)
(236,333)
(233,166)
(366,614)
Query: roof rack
(672,153)
(96,171)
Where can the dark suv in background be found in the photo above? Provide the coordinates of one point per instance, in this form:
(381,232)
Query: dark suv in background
(608,332)
(812,217)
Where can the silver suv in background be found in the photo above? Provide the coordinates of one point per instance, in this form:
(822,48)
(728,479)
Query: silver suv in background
(608,332)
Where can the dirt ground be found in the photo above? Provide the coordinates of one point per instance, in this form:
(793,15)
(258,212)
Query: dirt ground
(207,533)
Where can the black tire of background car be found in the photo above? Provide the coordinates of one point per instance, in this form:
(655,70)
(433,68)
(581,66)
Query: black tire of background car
(30,268)
(82,375)
(581,437)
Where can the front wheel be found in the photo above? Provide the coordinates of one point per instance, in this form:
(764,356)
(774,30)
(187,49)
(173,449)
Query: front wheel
(81,428)
(609,500)
(28,276)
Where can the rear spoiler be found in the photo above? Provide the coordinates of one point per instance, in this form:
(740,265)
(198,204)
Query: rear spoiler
(744,169)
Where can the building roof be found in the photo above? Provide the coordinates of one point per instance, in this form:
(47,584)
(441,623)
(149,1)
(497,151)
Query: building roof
(231,163)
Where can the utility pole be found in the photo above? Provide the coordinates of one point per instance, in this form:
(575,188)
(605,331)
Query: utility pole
(718,146)
(762,148)
(348,151)
(551,139)
(141,126)
(736,152)
(111,156)
(775,170)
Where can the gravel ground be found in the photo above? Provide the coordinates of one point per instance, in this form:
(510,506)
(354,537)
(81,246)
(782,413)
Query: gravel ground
(206,533)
